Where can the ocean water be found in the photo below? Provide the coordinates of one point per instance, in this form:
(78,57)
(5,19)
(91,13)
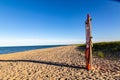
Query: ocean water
(6,50)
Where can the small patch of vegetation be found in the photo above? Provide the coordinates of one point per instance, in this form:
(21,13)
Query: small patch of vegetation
(100,54)
(105,49)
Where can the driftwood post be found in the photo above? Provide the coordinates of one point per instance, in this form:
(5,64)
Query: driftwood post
(89,45)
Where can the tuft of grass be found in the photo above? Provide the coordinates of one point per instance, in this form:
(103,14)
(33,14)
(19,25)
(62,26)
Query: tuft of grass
(101,54)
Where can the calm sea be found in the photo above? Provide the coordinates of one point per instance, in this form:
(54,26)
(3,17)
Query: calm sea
(6,50)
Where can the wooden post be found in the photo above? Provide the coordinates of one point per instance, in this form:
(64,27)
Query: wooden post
(89,45)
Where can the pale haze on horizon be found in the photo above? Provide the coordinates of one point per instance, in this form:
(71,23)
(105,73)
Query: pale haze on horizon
(54,22)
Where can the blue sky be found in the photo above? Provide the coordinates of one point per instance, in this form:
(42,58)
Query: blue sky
(43,22)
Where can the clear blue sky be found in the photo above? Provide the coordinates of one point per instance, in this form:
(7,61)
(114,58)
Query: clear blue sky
(42,22)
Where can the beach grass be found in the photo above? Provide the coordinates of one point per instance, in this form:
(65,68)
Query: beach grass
(109,50)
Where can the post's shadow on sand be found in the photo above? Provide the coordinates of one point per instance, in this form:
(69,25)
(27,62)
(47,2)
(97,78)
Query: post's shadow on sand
(46,62)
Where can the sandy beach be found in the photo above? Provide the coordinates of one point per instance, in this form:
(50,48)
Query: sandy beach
(60,63)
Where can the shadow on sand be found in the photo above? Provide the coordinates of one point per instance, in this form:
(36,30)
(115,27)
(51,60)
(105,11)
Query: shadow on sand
(46,62)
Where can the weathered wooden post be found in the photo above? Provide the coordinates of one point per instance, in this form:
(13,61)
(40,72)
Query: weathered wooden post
(89,45)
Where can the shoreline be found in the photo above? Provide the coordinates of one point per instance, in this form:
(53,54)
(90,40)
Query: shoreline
(12,49)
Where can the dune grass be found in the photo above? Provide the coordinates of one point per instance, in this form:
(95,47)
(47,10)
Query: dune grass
(109,50)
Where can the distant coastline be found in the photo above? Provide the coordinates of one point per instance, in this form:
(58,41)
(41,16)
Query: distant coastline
(13,49)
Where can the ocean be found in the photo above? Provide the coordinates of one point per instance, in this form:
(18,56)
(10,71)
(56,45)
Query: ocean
(12,49)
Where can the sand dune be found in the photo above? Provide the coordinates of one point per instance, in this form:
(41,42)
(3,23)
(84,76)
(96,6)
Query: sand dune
(60,63)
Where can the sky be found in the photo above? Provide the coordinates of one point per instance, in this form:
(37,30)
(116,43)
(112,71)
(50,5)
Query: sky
(51,22)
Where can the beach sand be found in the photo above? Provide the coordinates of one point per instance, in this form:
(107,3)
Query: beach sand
(60,63)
